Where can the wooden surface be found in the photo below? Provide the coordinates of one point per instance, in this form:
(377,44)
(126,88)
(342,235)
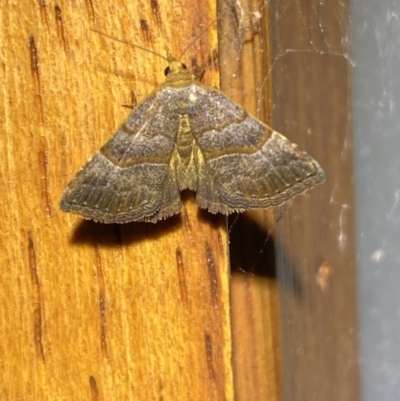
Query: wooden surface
(91,311)
(141,311)
(244,58)
(315,244)
(289,64)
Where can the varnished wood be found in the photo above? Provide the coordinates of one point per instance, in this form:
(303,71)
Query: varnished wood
(91,311)
(244,56)
(315,242)
(311,321)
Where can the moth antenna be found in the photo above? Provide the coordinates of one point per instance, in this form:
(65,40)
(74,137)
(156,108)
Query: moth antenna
(200,34)
(129,43)
(196,38)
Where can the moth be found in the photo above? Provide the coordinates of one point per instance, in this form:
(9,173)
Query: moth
(185,135)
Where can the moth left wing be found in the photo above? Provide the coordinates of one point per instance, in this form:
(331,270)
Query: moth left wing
(129,178)
(244,164)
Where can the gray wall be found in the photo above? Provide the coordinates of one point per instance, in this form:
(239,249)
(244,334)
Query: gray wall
(376,101)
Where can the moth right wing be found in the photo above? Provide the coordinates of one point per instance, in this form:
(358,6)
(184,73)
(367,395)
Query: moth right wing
(129,178)
(244,164)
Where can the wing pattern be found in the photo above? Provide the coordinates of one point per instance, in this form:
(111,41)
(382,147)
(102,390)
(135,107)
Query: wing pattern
(129,179)
(246,165)
(235,161)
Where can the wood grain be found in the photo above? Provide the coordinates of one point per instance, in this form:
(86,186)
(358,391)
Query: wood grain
(92,311)
(315,242)
(244,55)
(288,63)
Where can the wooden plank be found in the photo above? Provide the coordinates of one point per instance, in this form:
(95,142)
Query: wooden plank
(294,56)
(315,236)
(244,51)
(91,311)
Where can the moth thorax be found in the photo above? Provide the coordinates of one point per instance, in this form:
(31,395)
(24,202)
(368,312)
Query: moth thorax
(186,166)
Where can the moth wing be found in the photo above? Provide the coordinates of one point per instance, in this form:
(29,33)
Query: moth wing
(129,178)
(244,163)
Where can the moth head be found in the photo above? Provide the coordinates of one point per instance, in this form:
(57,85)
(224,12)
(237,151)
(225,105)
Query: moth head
(175,67)
(177,73)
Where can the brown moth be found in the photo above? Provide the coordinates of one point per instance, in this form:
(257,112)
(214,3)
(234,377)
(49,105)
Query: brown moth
(185,135)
